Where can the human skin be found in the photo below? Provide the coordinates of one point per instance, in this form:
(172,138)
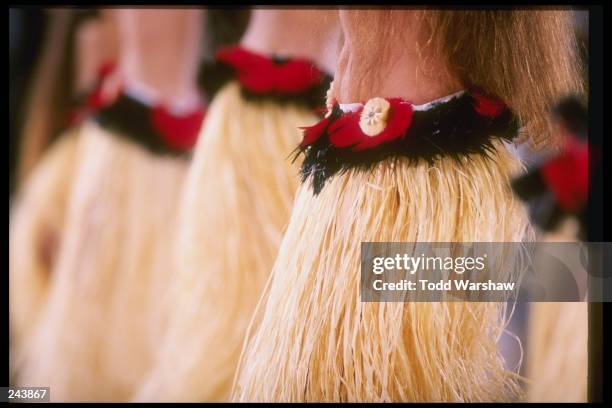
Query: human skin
(160,49)
(388,62)
(310,34)
(96,44)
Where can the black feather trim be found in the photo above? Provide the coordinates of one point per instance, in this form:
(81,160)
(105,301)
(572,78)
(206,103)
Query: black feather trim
(448,129)
(131,120)
(544,211)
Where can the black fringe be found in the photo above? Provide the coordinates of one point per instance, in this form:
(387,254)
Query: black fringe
(131,120)
(449,129)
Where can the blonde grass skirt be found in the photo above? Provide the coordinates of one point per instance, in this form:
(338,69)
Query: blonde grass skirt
(239,194)
(313,340)
(36,228)
(101,323)
(557,365)
(557,346)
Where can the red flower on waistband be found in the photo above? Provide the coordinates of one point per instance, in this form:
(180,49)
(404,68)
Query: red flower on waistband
(378,121)
(314,132)
(262,74)
(486,105)
(180,132)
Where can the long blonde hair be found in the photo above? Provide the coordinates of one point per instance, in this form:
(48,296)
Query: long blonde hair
(527,57)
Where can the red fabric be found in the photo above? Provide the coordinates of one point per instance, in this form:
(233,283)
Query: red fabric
(567,175)
(179,132)
(261,74)
(486,105)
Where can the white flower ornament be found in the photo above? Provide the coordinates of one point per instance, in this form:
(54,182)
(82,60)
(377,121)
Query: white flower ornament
(373,119)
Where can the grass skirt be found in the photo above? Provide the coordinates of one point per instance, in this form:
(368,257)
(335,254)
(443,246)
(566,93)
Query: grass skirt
(237,202)
(101,322)
(312,339)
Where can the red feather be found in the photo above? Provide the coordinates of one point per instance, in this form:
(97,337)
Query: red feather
(567,175)
(486,105)
(261,74)
(179,132)
(314,132)
(346,131)
(238,57)
(296,76)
